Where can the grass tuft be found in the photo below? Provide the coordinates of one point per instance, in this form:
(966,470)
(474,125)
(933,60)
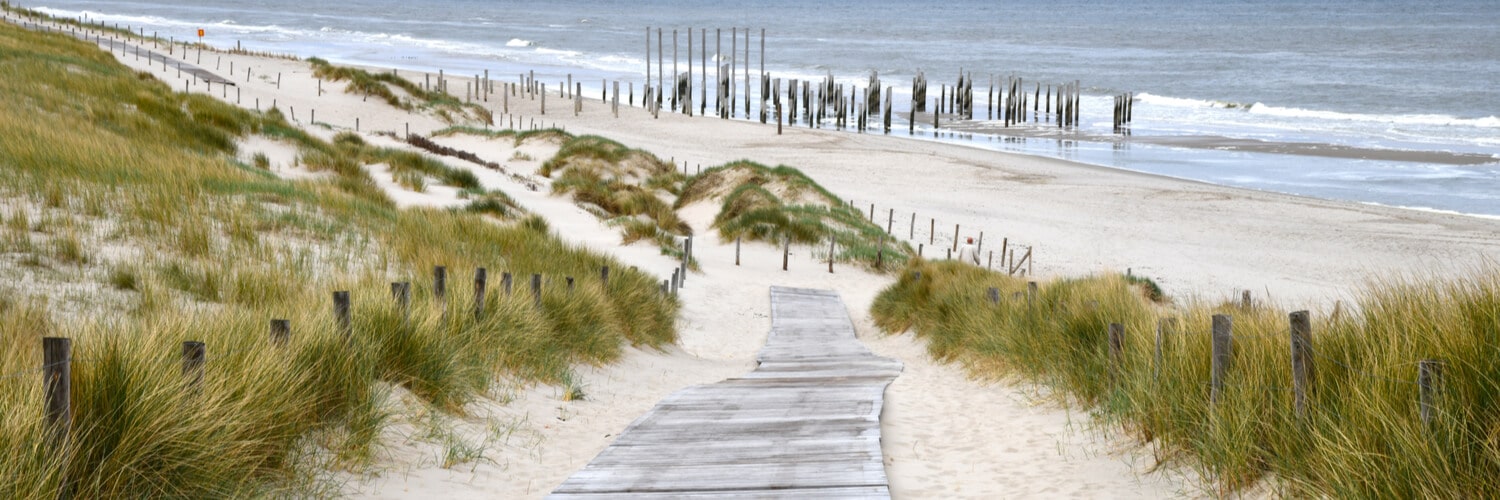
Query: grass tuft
(783,204)
(1363,404)
(216,249)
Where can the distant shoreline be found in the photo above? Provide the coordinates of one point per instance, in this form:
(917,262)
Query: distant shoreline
(1221,143)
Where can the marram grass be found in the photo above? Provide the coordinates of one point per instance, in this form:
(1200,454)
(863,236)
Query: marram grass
(1362,436)
(760,203)
(145,231)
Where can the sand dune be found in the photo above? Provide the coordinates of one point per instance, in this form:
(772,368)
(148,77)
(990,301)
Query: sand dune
(945,436)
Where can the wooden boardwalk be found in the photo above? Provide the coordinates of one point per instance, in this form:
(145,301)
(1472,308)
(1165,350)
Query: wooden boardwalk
(804,424)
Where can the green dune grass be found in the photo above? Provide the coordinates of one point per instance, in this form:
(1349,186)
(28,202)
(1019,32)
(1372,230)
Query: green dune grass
(1362,436)
(131,225)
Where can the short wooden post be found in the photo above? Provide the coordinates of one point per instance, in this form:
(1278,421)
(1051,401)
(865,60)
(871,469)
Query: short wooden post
(1223,345)
(505,282)
(439,283)
(786,252)
(1116,352)
(281,332)
(604,277)
(193,354)
(994,295)
(536,288)
(1302,362)
(955,237)
(1245,300)
(1164,327)
(1030,293)
(676,274)
(736,250)
(890,220)
(880,253)
(931,231)
(481,278)
(830,253)
(1429,377)
(57,372)
(401,293)
(341,314)
(912,232)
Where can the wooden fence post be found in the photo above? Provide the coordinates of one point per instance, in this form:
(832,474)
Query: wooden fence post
(1245,300)
(880,253)
(1030,293)
(604,277)
(57,371)
(341,314)
(1164,327)
(830,253)
(1223,351)
(1116,352)
(439,283)
(281,332)
(505,282)
(1429,378)
(1302,361)
(736,250)
(994,295)
(955,237)
(912,232)
(676,274)
(193,354)
(401,293)
(536,290)
(481,278)
(786,252)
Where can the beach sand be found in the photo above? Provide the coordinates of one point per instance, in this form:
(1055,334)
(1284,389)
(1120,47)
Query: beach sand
(944,435)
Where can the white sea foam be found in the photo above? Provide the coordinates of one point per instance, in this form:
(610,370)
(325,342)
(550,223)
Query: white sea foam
(213,28)
(517,42)
(1290,112)
(1425,119)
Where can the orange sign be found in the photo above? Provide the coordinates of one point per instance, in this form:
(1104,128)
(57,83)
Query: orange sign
(200,32)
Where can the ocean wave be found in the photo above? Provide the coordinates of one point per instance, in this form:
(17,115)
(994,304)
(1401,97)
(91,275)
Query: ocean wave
(227,25)
(517,42)
(1429,119)
(1263,109)
(1181,102)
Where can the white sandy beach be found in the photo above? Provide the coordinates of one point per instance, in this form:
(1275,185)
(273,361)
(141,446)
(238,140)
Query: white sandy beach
(944,435)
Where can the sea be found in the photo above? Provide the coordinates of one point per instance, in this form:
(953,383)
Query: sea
(1366,75)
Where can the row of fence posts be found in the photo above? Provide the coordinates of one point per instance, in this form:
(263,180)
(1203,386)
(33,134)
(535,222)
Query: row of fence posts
(1008,253)
(1428,377)
(57,357)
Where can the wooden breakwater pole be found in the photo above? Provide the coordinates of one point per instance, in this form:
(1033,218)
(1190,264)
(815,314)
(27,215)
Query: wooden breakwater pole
(1124,108)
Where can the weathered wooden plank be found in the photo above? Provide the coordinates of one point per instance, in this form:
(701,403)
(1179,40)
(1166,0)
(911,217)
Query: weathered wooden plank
(738,451)
(804,424)
(770,476)
(855,493)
